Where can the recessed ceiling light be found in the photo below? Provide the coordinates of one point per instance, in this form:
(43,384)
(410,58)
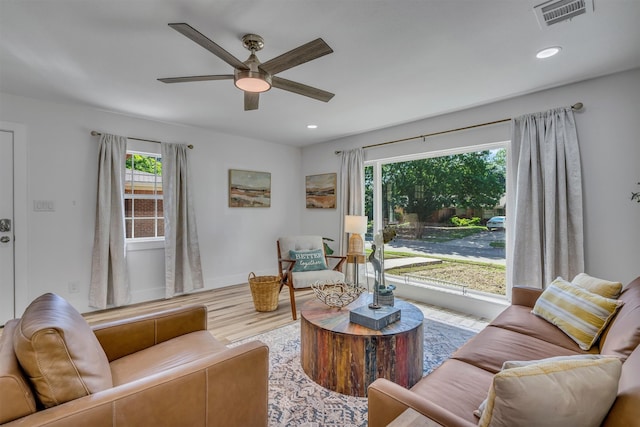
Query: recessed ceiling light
(548,52)
(312,126)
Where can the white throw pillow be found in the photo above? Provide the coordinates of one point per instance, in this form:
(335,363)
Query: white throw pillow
(601,287)
(559,392)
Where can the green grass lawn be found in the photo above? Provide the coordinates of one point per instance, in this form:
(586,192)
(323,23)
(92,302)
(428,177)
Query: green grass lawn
(479,276)
(485,277)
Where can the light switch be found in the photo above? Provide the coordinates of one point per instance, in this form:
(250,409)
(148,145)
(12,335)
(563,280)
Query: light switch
(44,206)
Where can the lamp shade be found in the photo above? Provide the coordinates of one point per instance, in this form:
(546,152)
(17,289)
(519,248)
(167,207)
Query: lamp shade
(355,224)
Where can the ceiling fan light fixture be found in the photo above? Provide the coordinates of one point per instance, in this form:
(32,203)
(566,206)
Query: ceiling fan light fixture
(252,81)
(251,76)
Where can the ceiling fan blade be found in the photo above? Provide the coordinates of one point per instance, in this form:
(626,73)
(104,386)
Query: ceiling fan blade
(251,100)
(196,78)
(301,89)
(300,55)
(190,32)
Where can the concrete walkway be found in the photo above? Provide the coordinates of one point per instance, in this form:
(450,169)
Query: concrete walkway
(476,247)
(407,261)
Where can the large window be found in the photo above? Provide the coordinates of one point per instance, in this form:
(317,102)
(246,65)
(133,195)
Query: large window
(143,204)
(440,206)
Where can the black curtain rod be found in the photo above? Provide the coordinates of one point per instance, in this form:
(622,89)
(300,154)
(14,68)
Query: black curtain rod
(96,133)
(577,106)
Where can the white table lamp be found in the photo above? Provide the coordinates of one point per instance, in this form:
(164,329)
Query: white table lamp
(355,225)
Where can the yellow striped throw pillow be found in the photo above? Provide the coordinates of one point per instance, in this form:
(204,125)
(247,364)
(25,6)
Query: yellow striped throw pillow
(580,314)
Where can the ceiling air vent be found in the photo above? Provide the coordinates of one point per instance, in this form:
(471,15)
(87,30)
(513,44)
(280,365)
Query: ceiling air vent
(554,11)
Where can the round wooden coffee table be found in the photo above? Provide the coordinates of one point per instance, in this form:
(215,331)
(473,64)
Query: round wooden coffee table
(347,357)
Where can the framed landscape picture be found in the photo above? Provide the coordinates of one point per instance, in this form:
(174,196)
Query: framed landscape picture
(249,189)
(320,191)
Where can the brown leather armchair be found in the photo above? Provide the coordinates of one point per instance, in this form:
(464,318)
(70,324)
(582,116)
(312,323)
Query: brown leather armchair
(166,369)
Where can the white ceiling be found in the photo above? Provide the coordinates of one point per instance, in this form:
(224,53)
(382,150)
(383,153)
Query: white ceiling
(394,61)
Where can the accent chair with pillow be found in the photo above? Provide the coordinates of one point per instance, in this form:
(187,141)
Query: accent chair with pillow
(567,355)
(302,261)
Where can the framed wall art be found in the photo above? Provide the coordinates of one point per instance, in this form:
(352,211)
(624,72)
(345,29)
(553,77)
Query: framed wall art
(249,189)
(320,191)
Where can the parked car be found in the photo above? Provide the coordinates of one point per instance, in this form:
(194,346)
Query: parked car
(495,223)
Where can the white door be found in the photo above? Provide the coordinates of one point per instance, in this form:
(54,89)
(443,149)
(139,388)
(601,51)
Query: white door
(7,278)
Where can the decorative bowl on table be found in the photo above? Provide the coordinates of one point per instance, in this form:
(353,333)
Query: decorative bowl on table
(337,294)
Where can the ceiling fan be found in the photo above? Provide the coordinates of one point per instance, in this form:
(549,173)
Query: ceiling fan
(252,76)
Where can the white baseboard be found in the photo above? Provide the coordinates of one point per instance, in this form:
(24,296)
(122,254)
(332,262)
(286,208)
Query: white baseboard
(233,279)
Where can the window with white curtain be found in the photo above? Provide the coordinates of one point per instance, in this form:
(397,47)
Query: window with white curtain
(143,201)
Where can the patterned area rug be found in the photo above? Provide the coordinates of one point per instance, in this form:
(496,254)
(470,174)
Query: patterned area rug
(295,400)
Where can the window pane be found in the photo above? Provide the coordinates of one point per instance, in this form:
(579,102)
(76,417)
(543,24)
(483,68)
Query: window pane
(144,208)
(143,183)
(160,227)
(127,174)
(368,200)
(128,228)
(439,206)
(144,228)
(128,208)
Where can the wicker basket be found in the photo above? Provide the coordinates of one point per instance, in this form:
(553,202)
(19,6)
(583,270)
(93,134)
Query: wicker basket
(265,291)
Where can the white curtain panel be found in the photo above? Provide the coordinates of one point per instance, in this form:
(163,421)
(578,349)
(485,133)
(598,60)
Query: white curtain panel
(544,207)
(183,270)
(351,189)
(109,278)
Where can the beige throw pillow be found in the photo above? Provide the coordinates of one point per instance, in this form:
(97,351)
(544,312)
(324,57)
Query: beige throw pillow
(601,287)
(553,393)
(59,352)
(509,364)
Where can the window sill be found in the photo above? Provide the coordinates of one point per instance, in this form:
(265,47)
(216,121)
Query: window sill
(144,244)
(474,303)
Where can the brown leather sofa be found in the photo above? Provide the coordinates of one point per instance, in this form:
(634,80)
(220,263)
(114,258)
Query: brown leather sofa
(449,395)
(162,369)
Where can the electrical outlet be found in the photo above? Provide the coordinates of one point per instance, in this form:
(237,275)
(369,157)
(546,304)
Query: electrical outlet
(74,287)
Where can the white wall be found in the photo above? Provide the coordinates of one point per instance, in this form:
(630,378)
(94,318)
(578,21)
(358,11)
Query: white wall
(62,158)
(608,129)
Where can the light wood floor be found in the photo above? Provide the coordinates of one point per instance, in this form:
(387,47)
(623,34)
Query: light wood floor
(232,315)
